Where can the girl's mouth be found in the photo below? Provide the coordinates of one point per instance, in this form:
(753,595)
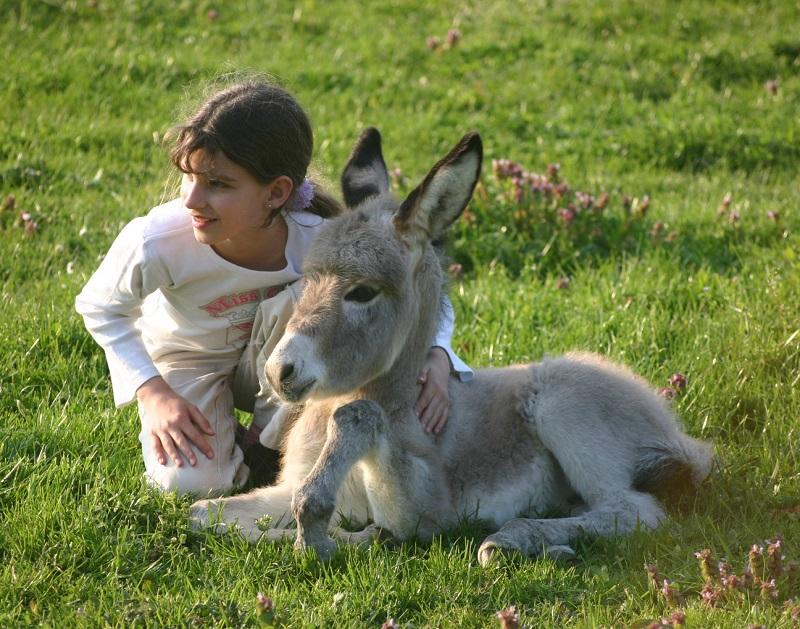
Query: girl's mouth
(200,222)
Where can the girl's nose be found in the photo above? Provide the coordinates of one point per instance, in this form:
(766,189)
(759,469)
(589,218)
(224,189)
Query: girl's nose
(193,195)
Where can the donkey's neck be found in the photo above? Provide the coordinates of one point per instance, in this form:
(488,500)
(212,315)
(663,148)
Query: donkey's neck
(398,386)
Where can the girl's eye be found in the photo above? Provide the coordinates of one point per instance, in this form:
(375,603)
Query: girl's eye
(361,294)
(216,183)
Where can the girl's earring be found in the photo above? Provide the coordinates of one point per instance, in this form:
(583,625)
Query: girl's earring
(268,222)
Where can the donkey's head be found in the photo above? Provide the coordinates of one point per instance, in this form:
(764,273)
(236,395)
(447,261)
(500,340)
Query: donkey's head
(372,281)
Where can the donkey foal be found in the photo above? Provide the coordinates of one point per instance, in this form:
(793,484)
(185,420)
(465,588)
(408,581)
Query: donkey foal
(519,441)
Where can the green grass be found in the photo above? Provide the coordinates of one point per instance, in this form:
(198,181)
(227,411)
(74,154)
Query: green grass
(666,99)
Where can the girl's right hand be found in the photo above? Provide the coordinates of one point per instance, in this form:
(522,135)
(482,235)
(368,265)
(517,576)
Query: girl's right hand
(174,424)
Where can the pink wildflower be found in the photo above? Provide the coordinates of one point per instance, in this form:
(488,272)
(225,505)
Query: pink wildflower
(755,560)
(212,15)
(508,618)
(433,42)
(772,86)
(455,269)
(710,594)
(453,35)
(678,382)
(670,593)
(505,168)
(656,229)
(397,176)
(734,216)
(678,618)
(562,283)
(567,215)
(769,589)
(774,216)
(775,558)
(584,199)
(265,610)
(553,171)
(391,623)
(704,556)
(652,573)
(667,392)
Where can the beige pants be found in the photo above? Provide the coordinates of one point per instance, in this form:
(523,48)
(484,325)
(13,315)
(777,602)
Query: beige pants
(218,384)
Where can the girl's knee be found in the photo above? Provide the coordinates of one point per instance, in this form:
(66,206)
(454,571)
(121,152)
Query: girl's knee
(203,481)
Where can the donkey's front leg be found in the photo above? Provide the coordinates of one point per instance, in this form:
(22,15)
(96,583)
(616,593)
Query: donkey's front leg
(351,432)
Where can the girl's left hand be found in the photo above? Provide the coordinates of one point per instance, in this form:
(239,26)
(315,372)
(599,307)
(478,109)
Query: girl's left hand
(434,400)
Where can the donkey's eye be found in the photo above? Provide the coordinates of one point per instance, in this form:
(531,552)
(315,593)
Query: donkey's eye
(362,294)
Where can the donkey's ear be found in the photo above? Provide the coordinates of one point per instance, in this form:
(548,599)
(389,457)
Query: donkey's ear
(445,192)
(365,174)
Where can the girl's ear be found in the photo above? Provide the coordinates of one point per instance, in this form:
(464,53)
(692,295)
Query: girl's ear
(365,174)
(439,200)
(279,190)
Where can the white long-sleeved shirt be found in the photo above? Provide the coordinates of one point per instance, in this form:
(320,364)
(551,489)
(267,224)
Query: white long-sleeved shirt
(158,291)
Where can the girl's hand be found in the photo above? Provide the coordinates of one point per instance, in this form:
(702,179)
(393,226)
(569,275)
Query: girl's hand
(434,401)
(174,424)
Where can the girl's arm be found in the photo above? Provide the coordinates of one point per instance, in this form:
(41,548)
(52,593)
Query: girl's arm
(433,402)
(110,304)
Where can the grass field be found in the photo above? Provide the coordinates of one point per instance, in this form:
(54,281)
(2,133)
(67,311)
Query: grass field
(679,103)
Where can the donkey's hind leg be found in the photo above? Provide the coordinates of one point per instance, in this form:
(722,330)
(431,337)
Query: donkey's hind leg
(352,431)
(615,513)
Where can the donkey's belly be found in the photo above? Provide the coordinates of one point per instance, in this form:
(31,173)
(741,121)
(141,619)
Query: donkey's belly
(410,498)
(509,491)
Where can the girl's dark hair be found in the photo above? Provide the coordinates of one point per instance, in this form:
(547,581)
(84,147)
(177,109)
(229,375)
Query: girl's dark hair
(260,127)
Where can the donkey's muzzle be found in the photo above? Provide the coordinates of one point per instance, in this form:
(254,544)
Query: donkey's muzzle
(292,370)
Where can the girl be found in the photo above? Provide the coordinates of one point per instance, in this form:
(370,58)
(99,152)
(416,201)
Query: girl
(190,299)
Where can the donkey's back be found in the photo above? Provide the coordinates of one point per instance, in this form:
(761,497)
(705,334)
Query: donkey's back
(534,438)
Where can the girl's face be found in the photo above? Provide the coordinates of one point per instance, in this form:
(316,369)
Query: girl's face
(228,206)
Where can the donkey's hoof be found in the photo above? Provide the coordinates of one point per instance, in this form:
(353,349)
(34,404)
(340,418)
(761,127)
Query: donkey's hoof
(206,515)
(324,547)
(200,514)
(491,551)
(560,553)
(488,554)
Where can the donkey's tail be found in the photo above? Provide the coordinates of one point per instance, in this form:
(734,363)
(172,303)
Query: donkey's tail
(673,467)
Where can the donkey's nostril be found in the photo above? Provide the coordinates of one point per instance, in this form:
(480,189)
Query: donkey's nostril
(286,371)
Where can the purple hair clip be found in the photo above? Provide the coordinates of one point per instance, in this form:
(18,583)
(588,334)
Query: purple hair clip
(302,197)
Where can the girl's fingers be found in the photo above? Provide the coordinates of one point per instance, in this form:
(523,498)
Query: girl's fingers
(427,394)
(168,444)
(185,447)
(430,416)
(158,449)
(422,378)
(201,421)
(441,419)
(199,441)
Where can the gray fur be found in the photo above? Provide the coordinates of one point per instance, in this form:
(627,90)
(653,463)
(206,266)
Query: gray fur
(519,441)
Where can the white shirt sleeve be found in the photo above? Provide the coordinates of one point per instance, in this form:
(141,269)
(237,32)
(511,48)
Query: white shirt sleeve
(444,337)
(110,304)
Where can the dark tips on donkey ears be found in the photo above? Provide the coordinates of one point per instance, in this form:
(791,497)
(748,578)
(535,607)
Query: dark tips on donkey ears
(365,174)
(445,191)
